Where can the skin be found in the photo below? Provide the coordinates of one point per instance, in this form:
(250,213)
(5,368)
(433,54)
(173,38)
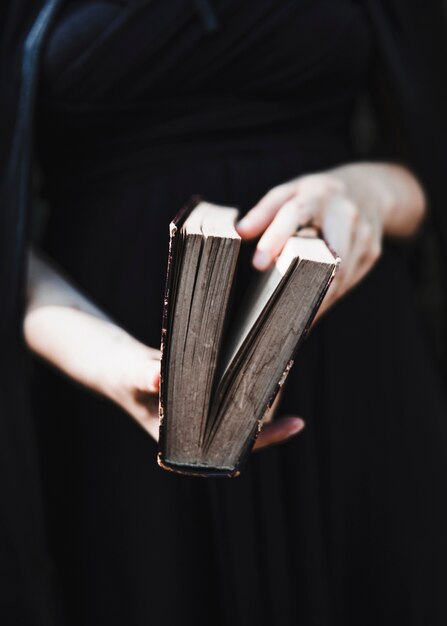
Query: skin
(64,328)
(355,206)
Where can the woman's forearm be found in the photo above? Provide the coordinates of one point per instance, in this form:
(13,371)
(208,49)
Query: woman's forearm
(66,329)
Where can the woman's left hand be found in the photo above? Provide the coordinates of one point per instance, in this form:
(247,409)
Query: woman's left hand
(353,205)
(133,383)
(66,329)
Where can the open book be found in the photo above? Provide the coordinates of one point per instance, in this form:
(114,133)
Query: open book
(214,393)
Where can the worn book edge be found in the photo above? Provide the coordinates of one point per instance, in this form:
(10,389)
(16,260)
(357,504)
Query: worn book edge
(259,422)
(174,226)
(198,470)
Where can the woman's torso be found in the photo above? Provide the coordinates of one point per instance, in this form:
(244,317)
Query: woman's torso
(140,108)
(129,88)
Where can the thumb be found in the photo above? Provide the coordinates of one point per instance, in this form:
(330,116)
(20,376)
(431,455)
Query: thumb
(153,378)
(278,431)
(146,372)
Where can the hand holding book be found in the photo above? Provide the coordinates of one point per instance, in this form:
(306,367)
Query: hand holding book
(65,328)
(354,206)
(208,429)
(136,391)
(223,365)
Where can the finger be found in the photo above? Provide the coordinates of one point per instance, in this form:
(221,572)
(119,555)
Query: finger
(154,379)
(279,431)
(341,285)
(155,353)
(152,427)
(339,221)
(259,217)
(361,254)
(146,413)
(357,252)
(368,253)
(364,254)
(290,216)
(147,375)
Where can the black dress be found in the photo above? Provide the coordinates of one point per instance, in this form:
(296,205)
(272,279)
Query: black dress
(139,108)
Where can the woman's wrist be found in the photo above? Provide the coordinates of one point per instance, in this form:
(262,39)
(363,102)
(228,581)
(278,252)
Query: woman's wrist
(390,190)
(409,205)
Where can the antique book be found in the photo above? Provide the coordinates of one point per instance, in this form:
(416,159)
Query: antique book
(218,380)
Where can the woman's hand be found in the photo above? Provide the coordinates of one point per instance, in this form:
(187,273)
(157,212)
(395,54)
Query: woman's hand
(67,330)
(279,429)
(104,358)
(134,386)
(353,205)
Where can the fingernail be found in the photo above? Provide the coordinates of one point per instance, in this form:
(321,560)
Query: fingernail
(299,425)
(296,426)
(261,259)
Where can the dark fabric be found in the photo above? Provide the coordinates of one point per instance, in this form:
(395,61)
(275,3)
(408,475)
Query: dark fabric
(346,524)
(27,578)
(337,527)
(409,94)
(27,586)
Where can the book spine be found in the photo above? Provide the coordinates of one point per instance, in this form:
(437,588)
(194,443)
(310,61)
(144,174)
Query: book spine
(174,227)
(203,471)
(199,471)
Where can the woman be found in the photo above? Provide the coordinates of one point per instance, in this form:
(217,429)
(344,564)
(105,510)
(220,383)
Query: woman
(137,109)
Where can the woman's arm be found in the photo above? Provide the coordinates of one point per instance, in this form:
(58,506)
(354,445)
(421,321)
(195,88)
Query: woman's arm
(63,327)
(354,205)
